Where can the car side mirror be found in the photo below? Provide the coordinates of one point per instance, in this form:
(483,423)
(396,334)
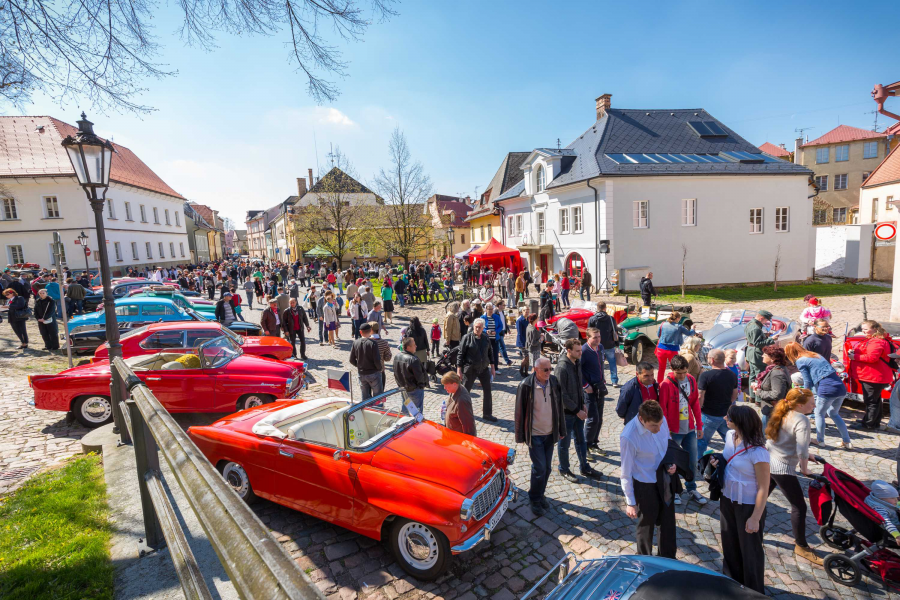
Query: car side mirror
(341,454)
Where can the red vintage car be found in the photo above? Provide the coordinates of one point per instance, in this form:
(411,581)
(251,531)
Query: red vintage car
(427,491)
(185,336)
(581,316)
(218,378)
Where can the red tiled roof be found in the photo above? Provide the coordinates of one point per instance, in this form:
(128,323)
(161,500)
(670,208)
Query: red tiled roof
(205,212)
(844,133)
(32,146)
(773,150)
(887,172)
(454,206)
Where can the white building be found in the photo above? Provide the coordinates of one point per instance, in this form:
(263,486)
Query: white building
(39,193)
(650,182)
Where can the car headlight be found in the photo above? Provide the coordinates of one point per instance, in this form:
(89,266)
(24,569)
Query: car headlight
(288,383)
(465,511)
(510,456)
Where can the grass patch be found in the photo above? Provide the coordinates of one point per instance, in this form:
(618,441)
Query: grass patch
(765,292)
(54,536)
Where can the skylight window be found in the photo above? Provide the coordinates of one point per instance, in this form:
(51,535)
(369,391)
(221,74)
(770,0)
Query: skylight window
(707,129)
(641,158)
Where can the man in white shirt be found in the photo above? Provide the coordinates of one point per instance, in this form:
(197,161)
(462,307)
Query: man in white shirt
(643,446)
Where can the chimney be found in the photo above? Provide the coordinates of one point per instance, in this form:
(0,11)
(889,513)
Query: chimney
(797,152)
(301,187)
(310,177)
(604,103)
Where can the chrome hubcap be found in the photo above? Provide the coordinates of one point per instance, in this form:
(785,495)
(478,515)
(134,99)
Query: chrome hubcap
(252,401)
(418,546)
(96,409)
(236,477)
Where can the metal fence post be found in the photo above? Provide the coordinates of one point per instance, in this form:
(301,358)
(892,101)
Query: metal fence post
(146,455)
(118,394)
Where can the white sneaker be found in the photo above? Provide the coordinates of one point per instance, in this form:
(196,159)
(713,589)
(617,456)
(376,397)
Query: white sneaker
(696,496)
(677,500)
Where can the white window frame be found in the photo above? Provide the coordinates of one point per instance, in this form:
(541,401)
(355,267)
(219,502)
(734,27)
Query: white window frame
(540,178)
(841,178)
(688,212)
(166,211)
(520,222)
(889,203)
(827,152)
(837,211)
(822,182)
(177,220)
(782,219)
(134,251)
(111,210)
(10,211)
(181,246)
(541,223)
(867,146)
(511,225)
(128,216)
(149,248)
(757,215)
(564,221)
(842,153)
(10,254)
(155,216)
(640,214)
(143,213)
(577,219)
(48,213)
(162,250)
(118,249)
(172,249)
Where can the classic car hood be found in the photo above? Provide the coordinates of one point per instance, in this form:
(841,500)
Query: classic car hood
(637,322)
(266,341)
(101,367)
(433,453)
(574,314)
(255,366)
(722,335)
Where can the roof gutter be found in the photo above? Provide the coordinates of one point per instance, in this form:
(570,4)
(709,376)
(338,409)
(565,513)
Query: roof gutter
(596,226)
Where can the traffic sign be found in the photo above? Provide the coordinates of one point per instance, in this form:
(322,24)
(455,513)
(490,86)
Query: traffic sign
(87,251)
(886,231)
(77,242)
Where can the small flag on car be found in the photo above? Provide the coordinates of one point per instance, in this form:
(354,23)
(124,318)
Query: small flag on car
(339,380)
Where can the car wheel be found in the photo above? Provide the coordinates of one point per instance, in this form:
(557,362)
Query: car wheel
(93,411)
(236,478)
(422,551)
(253,400)
(842,570)
(638,351)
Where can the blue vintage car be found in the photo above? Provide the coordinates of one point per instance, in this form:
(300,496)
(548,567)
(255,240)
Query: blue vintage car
(87,332)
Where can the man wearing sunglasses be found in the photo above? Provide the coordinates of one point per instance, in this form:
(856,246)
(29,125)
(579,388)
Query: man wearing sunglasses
(540,423)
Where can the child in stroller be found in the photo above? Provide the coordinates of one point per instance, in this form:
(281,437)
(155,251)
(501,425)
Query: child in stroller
(445,363)
(866,547)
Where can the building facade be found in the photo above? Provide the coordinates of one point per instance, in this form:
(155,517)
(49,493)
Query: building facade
(143,216)
(448,212)
(484,219)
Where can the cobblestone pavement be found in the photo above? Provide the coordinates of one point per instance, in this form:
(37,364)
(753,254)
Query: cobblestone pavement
(587,519)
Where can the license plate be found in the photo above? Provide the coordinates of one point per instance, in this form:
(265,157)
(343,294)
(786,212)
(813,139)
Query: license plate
(498,515)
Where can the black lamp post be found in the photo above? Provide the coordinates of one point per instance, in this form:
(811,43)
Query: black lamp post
(91,158)
(450,233)
(82,239)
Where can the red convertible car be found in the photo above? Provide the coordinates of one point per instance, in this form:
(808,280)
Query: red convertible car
(185,336)
(218,378)
(369,467)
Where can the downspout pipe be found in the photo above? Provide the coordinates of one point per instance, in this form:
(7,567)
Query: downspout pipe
(597,231)
(502,210)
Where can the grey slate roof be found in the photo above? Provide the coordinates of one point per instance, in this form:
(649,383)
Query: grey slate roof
(513,192)
(631,131)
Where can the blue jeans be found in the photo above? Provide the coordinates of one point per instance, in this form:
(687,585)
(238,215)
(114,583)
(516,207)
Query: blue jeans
(370,385)
(711,425)
(688,441)
(583,291)
(502,345)
(831,407)
(574,426)
(541,454)
(565,297)
(609,355)
(418,399)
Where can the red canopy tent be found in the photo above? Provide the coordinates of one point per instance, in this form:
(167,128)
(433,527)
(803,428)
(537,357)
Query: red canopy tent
(494,254)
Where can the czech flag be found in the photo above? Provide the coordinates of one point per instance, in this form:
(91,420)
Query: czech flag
(339,380)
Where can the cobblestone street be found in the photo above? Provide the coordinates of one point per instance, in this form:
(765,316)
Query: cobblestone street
(587,519)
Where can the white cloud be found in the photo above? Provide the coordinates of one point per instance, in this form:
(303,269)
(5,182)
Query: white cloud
(333,115)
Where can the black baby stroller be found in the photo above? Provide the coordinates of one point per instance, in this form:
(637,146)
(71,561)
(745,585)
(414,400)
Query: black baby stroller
(445,363)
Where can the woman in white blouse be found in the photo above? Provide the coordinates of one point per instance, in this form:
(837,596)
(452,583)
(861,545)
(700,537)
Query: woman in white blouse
(743,506)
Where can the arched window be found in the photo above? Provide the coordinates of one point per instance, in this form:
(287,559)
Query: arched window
(574,265)
(540,179)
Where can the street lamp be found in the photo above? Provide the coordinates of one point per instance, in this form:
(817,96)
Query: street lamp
(450,233)
(91,157)
(82,240)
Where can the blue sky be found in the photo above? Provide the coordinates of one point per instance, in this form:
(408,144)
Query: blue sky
(469,81)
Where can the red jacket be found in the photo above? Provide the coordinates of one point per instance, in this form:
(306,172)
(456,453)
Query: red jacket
(670,400)
(868,363)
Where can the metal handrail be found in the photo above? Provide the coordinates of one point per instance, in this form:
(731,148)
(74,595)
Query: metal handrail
(256,563)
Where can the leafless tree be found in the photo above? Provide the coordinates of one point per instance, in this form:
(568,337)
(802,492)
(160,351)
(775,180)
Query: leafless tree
(777,264)
(405,188)
(104,51)
(228,223)
(683,261)
(333,216)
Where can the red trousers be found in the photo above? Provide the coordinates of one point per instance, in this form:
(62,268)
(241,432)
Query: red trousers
(663,356)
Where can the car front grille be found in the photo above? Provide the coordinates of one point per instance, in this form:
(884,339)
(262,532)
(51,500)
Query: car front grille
(487,497)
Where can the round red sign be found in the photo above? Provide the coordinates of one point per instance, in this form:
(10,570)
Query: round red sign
(885,231)
(87,251)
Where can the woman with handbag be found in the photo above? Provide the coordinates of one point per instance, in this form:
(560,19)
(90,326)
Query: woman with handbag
(17,315)
(45,313)
(869,364)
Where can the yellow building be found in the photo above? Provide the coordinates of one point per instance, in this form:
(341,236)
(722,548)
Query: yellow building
(484,220)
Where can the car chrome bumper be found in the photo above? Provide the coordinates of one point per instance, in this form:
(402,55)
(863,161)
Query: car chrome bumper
(483,534)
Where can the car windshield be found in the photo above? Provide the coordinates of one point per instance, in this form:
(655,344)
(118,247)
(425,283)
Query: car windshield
(374,421)
(132,332)
(734,317)
(218,352)
(235,337)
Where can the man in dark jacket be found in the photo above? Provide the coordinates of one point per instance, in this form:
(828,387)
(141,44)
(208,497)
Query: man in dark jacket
(637,391)
(475,361)
(225,311)
(820,342)
(609,339)
(568,372)
(366,357)
(647,289)
(594,389)
(585,284)
(539,423)
(269,320)
(293,320)
(410,374)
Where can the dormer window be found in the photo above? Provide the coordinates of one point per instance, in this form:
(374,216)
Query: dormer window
(541,182)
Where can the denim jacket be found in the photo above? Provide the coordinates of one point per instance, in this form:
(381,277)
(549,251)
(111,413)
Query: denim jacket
(813,370)
(672,335)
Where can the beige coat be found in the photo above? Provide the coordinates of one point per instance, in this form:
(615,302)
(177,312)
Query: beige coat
(451,328)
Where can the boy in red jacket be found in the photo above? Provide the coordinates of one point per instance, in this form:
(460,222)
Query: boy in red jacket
(680,402)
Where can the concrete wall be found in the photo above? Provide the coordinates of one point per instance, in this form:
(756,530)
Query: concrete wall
(33,230)
(831,250)
(720,247)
